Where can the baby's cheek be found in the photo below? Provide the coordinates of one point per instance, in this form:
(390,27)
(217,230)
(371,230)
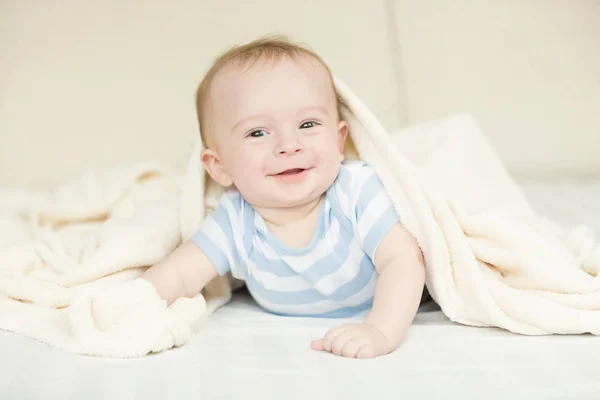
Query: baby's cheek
(248,171)
(250,180)
(250,166)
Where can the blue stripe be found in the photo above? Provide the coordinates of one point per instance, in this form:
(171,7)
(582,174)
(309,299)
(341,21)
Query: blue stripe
(342,312)
(349,289)
(248,228)
(336,209)
(276,267)
(210,248)
(334,260)
(237,201)
(308,296)
(223,220)
(244,213)
(383,225)
(371,188)
(346,312)
(344,178)
(212,251)
(273,296)
(221,216)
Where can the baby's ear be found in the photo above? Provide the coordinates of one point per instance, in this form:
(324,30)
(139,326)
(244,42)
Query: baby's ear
(343,135)
(215,168)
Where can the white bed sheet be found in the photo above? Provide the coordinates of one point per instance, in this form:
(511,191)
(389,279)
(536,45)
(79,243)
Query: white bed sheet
(243,352)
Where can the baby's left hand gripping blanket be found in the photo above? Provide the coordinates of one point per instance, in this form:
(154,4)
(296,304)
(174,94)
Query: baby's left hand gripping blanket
(70,262)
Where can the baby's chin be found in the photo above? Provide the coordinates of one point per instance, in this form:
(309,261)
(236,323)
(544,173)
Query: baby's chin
(282,199)
(281,202)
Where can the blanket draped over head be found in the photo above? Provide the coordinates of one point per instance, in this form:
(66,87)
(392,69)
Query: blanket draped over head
(490,260)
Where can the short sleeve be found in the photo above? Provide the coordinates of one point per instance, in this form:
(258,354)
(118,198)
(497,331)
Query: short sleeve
(215,236)
(368,205)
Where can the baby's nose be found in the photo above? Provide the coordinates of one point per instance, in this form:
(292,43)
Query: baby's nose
(289,145)
(289,149)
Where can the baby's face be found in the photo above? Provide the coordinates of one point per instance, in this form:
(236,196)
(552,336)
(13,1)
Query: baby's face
(276,130)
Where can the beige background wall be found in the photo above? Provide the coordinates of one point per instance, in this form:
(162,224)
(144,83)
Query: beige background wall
(529,70)
(103,83)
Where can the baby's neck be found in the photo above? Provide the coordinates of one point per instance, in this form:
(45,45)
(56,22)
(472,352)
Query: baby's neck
(293,226)
(281,217)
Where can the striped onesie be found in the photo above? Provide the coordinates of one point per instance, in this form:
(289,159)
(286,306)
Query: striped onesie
(333,276)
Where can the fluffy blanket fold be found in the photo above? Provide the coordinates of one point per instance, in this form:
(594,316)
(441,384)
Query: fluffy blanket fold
(70,259)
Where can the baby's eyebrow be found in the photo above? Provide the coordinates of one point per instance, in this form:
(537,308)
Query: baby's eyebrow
(251,117)
(316,108)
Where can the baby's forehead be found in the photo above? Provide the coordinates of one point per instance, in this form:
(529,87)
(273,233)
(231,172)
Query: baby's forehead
(239,73)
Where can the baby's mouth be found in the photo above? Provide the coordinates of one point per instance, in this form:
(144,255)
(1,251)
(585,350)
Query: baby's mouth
(292,171)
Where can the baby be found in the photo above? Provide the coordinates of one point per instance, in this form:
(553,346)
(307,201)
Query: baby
(309,233)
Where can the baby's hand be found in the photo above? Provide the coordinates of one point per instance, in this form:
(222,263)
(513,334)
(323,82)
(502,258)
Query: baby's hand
(354,341)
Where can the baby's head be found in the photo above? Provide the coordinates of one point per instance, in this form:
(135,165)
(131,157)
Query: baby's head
(269,116)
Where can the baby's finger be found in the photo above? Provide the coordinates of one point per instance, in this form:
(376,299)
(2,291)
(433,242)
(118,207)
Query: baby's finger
(340,341)
(332,334)
(317,345)
(352,346)
(366,351)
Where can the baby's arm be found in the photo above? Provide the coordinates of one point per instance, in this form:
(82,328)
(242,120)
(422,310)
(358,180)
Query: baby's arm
(186,271)
(399,262)
(183,273)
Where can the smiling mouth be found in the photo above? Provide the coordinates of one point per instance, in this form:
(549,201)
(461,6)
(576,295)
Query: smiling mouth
(292,171)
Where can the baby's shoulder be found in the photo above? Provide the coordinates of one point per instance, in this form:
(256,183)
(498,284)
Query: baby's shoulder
(230,204)
(356,183)
(353,175)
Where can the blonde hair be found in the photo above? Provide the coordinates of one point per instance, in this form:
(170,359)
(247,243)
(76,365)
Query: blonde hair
(267,48)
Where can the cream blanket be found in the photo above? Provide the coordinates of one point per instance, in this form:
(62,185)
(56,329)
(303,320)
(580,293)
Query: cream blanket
(69,259)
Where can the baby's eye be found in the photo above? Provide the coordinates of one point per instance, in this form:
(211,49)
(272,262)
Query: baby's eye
(257,133)
(308,124)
